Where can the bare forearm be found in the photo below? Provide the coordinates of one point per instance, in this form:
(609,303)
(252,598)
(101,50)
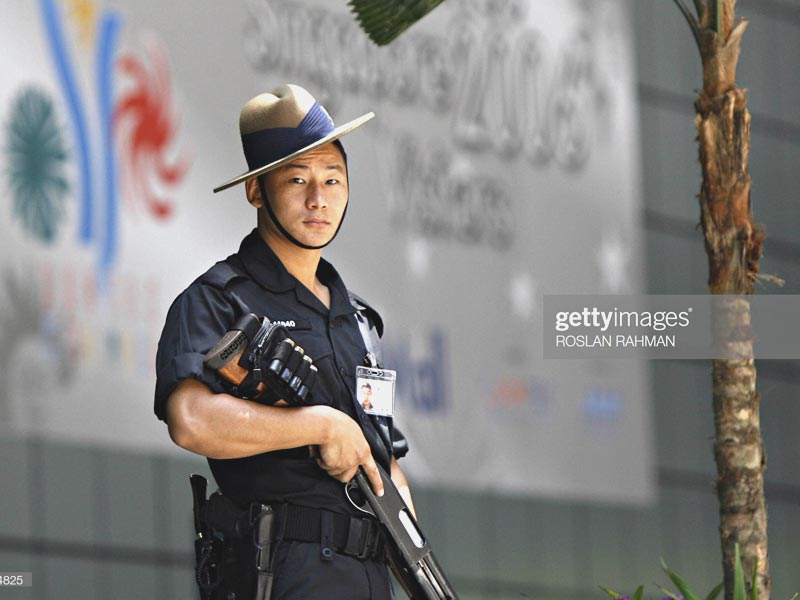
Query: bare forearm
(222,426)
(400,481)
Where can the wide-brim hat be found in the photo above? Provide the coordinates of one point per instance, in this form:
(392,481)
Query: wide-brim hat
(279,126)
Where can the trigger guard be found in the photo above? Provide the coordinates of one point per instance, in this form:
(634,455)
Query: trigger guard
(352,485)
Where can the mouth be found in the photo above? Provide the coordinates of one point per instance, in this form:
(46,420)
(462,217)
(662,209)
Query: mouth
(316,222)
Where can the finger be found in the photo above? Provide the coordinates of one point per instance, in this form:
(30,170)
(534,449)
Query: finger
(374,476)
(342,475)
(330,468)
(346,476)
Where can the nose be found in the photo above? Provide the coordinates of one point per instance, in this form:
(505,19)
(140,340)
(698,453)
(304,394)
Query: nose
(316,196)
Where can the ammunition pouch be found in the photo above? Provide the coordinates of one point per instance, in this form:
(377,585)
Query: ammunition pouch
(257,360)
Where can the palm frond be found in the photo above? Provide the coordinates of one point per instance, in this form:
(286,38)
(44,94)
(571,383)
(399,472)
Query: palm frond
(384,20)
(692,21)
(700,8)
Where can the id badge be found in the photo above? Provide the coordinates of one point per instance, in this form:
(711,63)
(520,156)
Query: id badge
(375,390)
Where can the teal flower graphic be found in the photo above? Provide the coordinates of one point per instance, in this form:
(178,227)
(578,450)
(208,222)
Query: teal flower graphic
(36,161)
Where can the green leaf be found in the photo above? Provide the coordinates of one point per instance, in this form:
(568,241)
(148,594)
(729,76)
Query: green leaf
(795,596)
(715,592)
(668,593)
(384,20)
(754,590)
(682,586)
(719,30)
(694,25)
(637,595)
(611,593)
(738,575)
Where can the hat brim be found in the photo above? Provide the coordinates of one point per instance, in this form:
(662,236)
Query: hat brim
(333,135)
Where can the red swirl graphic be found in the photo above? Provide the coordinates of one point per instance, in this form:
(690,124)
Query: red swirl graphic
(145,125)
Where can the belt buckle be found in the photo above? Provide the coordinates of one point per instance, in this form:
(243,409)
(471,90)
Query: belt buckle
(371,541)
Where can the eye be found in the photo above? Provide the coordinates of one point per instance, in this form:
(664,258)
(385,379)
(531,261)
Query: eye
(298,180)
(332,181)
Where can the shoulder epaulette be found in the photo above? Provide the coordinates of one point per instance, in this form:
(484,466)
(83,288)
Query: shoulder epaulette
(220,275)
(371,314)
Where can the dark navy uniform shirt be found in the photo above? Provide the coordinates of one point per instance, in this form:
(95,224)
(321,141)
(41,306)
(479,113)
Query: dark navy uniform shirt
(254,280)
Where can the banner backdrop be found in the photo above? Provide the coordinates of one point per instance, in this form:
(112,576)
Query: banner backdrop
(502,165)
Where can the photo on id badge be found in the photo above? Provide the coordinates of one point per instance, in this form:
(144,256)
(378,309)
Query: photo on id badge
(375,390)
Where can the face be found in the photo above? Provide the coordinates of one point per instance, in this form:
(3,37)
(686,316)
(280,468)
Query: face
(308,196)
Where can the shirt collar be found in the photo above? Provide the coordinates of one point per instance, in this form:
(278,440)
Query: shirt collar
(268,271)
(340,299)
(263,264)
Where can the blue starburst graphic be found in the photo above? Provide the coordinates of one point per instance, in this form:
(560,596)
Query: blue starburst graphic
(37,158)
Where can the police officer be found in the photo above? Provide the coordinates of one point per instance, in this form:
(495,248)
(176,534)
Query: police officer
(297,180)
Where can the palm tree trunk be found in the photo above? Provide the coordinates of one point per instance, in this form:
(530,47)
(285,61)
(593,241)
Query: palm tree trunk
(733,245)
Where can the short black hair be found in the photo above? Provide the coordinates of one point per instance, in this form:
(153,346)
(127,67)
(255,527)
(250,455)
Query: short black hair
(338,144)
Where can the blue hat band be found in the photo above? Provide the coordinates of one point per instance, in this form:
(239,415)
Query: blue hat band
(268,145)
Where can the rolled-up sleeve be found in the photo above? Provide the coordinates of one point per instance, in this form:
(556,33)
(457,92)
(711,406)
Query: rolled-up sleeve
(196,321)
(399,443)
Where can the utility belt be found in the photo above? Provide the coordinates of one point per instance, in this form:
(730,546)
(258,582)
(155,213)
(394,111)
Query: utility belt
(336,532)
(235,547)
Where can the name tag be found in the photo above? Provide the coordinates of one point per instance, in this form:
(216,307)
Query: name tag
(375,390)
(293,324)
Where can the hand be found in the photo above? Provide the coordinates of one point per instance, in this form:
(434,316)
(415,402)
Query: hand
(345,449)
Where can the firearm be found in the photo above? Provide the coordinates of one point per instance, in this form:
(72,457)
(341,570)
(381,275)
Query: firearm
(227,535)
(410,554)
(261,362)
(207,546)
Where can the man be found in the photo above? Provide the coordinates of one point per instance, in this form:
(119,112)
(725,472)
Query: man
(365,396)
(297,181)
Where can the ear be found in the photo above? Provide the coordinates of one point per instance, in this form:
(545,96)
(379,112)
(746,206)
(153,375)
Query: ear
(254,193)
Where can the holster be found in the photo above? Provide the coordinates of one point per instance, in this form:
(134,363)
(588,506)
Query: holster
(234,547)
